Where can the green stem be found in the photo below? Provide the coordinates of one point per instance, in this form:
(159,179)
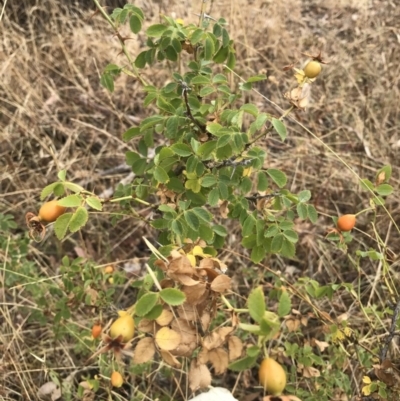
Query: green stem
(231,308)
(132,198)
(121,41)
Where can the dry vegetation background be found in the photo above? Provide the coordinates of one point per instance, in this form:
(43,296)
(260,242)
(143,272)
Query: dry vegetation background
(55,115)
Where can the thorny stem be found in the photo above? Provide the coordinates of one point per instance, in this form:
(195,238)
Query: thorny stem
(392,332)
(188,111)
(121,41)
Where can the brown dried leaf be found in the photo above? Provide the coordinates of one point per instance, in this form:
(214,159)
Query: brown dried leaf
(184,279)
(219,360)
(181,265)
(205,321)
(167,283)
(216,338)
(186,330)
(206,263)
(195,293)
(292,324)
(208,274)
(165,318)
(309,371)
(161,264)
(144,350)
(199,376)
(187,312)
(235,347)
(184,350)
(170,359)
(221,283)
(167,339)
(223,209)
(202,357)
(322,345)
(146,326)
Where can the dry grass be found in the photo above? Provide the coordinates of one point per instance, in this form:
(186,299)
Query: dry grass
(55,115)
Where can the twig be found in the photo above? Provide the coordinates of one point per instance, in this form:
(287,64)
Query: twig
(392,332)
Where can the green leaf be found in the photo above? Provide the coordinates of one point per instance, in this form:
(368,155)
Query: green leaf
(140,61)
(201,80)
(49,189)
(285,304)
(61,225)
(206,90)
(107,81)
(206,149)
(279,128)
(78,219)
(213,197)
(262,181)
(304,196)
(62,175)
(202,214)
(94,203)
(181,149)
(256,304)
(220,230)
(257,253)
(367,185)
(291,235)
(278,177)
(384,189)
(302,210)
(288,249)
(248,225)
(150,122)
(154,313)
(172,296)
(131,133)
(73,187)
(214,128)
(208,180)
(71,201)
(243,364)
(209,49)
(387,171)
(146,303)
(191,219)
(135,23)
(312,213)
(256,78)
(194,185)
(161,175)
(155,31)
(250,109)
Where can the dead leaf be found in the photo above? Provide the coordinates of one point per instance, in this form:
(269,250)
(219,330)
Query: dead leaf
(205,321)
(221,283)
(195,293)
(292,324)
(235,347)
(199,376)
(49,391)
(188,312)
(216,338)
(186,330)
(144,350)
(309,371)
(167,339)
(146,326)
(184,279)
(170,359)
(165,318)
(219,360)
(322,345)
(202,357)
(181,265)
(167,283)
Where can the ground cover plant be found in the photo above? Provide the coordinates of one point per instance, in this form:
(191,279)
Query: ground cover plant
(236,235)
